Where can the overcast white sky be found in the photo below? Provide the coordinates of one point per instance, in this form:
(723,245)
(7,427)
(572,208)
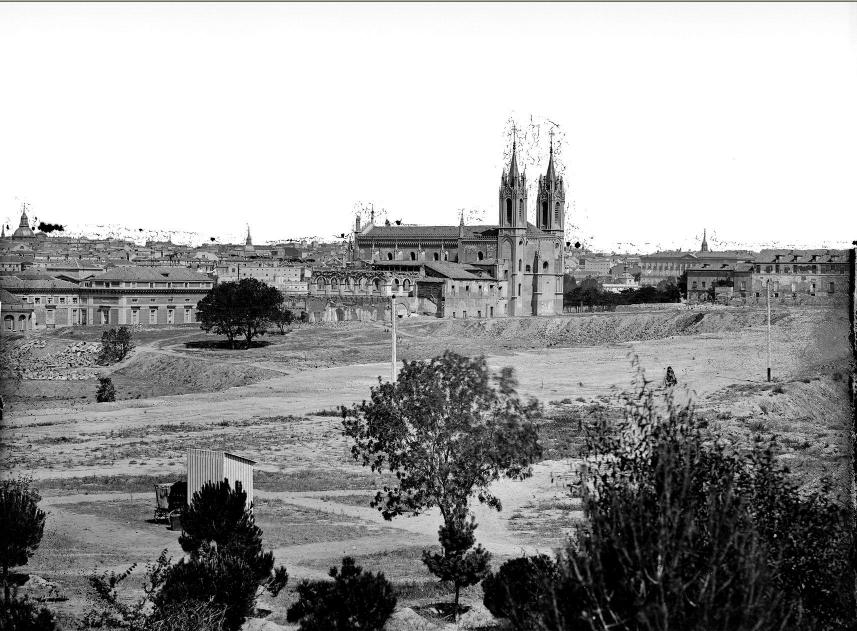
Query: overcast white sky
(741,118)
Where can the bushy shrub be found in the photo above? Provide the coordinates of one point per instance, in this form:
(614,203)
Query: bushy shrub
(23,615)
(354,601)
(519,591)
(683,532)
(106,392)
(224,580)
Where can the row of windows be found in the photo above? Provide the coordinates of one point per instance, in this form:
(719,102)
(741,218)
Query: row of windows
(831,286)
(136,285)
(347,284)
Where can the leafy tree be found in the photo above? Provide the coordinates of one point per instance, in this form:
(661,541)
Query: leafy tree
(106,392)
(283,318)
(446,429)
(242,308)
(354,601)
(116,344)
(22,524)
(458,564)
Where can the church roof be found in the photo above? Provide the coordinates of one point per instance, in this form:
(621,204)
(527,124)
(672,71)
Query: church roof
(440,232)
(15,282)
(149,274)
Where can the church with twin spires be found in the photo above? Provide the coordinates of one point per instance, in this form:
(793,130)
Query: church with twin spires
(523,260)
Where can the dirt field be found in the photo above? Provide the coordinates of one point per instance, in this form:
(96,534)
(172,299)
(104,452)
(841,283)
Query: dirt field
(95,463)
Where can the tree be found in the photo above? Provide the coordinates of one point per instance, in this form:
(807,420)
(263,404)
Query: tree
(22,523)
(106,392)
(218,517)
(242,308)
(283,318)
(446,429)
(354,601)
(458,563)
(116,344)
(520,592)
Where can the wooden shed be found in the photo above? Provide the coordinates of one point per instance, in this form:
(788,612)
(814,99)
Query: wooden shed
(204,465)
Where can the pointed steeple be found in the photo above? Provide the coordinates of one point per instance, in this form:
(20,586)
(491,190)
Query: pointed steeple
(551,174)
(513,166)
(248,240)
(704,247)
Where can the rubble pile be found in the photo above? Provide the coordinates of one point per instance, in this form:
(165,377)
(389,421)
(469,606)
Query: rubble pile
(41,359)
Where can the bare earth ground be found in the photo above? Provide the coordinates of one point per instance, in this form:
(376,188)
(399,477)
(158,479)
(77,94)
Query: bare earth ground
(95,463)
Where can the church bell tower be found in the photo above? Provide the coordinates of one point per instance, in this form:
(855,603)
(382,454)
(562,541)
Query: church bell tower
(550,202)
(513,194)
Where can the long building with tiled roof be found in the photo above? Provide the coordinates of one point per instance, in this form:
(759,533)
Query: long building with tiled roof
(523,262)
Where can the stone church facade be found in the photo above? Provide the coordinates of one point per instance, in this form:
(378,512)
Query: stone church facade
(523,261)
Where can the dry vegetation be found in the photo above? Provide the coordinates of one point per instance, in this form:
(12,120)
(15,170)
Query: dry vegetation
(96,464)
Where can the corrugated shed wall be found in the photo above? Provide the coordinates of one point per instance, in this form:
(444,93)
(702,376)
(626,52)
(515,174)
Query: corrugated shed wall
(204,466)
(237,469)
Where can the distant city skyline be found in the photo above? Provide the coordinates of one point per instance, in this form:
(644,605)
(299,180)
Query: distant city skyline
(195,119)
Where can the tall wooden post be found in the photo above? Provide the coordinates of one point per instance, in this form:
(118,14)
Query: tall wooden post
(393,319)
(768,296)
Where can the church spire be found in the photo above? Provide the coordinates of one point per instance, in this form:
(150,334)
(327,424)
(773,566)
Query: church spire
(513,166)
(248,240)
(704,247)
(551,174)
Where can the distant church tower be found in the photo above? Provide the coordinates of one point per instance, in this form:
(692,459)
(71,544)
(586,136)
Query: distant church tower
(550,203)
(248,240)
(513,195)
(704,247)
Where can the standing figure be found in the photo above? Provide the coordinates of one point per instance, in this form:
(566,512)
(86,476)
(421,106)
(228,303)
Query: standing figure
(670,380)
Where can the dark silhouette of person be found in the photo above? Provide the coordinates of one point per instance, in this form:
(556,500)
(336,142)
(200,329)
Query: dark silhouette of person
(670,379)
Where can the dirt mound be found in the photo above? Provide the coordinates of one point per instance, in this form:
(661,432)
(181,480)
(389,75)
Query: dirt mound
(171,374)
(602,328)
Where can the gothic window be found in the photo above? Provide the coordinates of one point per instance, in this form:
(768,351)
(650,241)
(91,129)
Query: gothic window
(395,284)
(389,256)
(519,265)
(445,256)
(436,256)
(377,283)
(544,214)
(528,269)
(508,210)
(556,212)
(521,209)
(406,285)
(545,265)
(413,256)
(519,290)
(479,255)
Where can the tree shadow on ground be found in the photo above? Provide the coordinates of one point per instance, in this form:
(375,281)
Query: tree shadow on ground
(224,344)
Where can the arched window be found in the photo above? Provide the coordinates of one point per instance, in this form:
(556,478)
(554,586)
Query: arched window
(521,209)
(528,269)
(545,265)
(519,289)
(348,282)
(406,285)
(413,256)
(445,256)
(544,214)
(508,210)
(320,283)
(9,323)
(389,256)
(436,256)
(396,284)
(519,264)
(479,255)
(556,212)
(377,283)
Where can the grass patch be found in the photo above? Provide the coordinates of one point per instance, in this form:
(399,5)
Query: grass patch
(107,483)
(320,480)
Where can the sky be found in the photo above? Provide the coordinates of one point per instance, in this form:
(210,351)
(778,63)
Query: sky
(203,118)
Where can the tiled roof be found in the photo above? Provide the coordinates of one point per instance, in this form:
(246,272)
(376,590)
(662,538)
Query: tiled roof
(16,283)
(149,274)
(9,299)
(456,271)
